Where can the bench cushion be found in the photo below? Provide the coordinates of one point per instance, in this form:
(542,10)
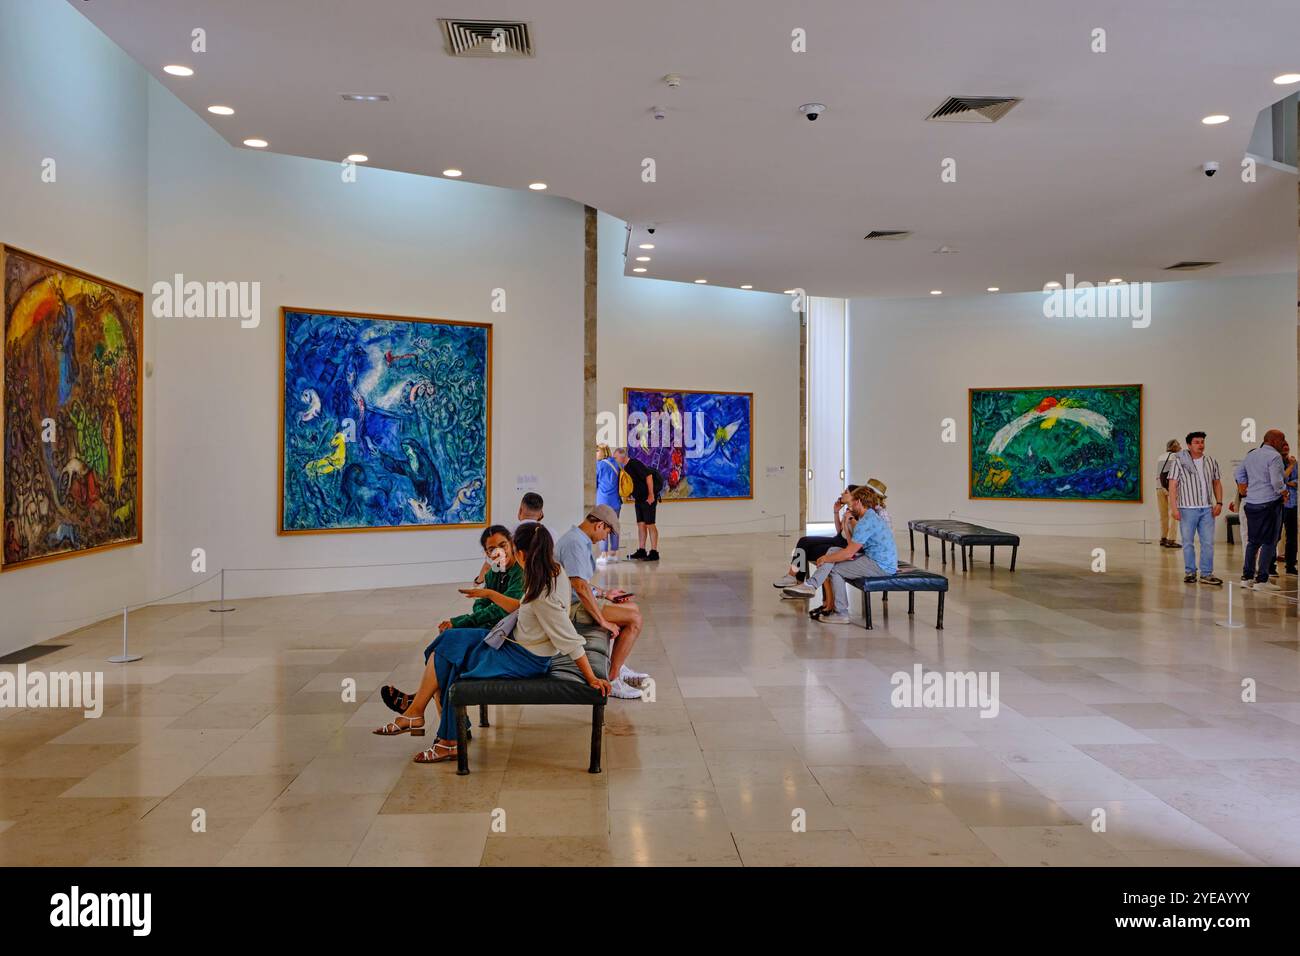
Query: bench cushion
(563,685)
(908,578)
(963,532)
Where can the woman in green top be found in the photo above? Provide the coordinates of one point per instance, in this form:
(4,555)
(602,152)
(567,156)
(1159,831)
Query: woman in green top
(500,593)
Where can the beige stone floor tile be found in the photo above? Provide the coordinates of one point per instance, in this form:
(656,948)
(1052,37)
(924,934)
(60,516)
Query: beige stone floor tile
(814,848)
(544,813)
(547,851)
(1050,846)
(424,840)
(671,838)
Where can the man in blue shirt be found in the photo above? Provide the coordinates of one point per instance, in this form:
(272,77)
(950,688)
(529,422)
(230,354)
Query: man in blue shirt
(1259,478)
(1289,510)
(870,553)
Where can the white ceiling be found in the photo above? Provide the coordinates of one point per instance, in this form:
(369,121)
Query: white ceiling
(1096,173)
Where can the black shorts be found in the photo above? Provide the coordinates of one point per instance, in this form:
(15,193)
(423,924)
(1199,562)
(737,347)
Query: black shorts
(645,512)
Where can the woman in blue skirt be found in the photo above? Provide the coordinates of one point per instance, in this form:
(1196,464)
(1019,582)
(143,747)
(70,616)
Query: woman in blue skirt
(542,631)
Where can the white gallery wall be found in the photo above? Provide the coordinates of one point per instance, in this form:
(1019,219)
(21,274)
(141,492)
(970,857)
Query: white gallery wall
(656,334)
(1217,351)
(389,243)
(69,95)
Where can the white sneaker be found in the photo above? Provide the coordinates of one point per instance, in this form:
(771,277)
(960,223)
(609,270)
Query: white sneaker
(804,590)
(788,581)
(619,688)
(1266,586)
(601,559)
(631,677)
(833,619)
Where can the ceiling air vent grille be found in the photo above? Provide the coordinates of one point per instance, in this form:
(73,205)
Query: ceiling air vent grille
(973,109)
(495,38)
(1189,266)
(888,234)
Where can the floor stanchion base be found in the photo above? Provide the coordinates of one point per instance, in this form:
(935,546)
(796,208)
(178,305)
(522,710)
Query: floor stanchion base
(124,658)
(220,610)
(1234,625)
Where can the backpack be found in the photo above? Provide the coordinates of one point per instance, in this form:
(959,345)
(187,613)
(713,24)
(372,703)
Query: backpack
(624,484)
(1165,469)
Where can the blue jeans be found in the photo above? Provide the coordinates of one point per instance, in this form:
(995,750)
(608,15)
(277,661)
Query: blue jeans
(460,652)
(1197,521)
(615,502)
(1263,525)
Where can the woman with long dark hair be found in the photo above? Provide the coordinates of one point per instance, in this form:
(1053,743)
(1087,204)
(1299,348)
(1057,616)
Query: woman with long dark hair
(542,630)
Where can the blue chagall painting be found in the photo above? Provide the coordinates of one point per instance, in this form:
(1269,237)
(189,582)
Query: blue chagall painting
(700,442)
(385,423)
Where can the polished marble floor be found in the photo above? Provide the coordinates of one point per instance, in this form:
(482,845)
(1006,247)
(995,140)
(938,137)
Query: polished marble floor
(1118,693)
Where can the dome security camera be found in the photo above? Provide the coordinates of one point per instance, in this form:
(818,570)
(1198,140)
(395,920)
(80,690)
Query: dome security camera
(812,110)
(1210,168)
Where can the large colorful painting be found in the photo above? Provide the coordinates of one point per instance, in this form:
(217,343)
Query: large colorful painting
(384,422)
(1066,443)
(71,420)
(700,442)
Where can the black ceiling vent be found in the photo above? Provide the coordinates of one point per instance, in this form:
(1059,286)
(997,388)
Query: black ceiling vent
(488,38)
(973,109)
(1189,266)
(888,234)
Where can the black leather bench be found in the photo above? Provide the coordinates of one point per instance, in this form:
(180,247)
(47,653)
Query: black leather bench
(910,579)
(563,685)
(963,534)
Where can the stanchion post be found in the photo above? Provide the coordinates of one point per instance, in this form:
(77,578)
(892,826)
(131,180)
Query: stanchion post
(1229,623)
(126,656)
(222,608)
(1144,539)
(784,532)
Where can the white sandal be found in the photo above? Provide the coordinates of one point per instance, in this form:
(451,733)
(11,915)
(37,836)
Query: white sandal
(393,729)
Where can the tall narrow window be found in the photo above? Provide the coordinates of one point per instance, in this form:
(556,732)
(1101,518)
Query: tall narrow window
(827,330)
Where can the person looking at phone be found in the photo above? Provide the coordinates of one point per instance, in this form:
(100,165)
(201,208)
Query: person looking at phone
(619,616)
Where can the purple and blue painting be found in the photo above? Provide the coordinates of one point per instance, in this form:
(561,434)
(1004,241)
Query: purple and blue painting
(385,423)
(700,442)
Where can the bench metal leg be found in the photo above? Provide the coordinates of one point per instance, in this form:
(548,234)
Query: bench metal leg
(597,728)
(866,610)
(990,554)
(911,602)
(1230,541)
(911,537)
(938,625)
(963,557)
(462,741)
(482,716)
(925,536)
(1014,549)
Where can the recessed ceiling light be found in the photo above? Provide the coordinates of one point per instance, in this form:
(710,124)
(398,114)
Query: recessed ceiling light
(701,281)
(221,110)
(1215,119)
(358,158)
(747,287)
(537,186)
(646,245)
(639,269)
(788,292)
(642,258)
(256,143)
(994,288)
(365,97)
(452,173)
(176,70)
(1116,281)
(1286,79)
(936,292)
(1052,285)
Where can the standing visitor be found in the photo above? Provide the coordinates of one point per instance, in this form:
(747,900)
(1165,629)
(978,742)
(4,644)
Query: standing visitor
(1165,466)
(608,473)
(1259,478)
(1195,500)
(646,485)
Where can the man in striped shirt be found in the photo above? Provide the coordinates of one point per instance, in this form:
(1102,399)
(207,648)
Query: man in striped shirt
(1195,500)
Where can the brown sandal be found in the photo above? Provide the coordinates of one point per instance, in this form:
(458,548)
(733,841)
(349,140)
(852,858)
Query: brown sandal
(432,755)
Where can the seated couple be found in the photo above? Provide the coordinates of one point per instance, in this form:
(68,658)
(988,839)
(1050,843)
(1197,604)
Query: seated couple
(869,553)
(811,547)
(525,577)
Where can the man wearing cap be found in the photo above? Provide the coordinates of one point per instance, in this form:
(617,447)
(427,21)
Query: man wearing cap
(620,617)
(880,488)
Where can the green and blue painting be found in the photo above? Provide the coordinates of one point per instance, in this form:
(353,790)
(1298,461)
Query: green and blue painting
(1080,443)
